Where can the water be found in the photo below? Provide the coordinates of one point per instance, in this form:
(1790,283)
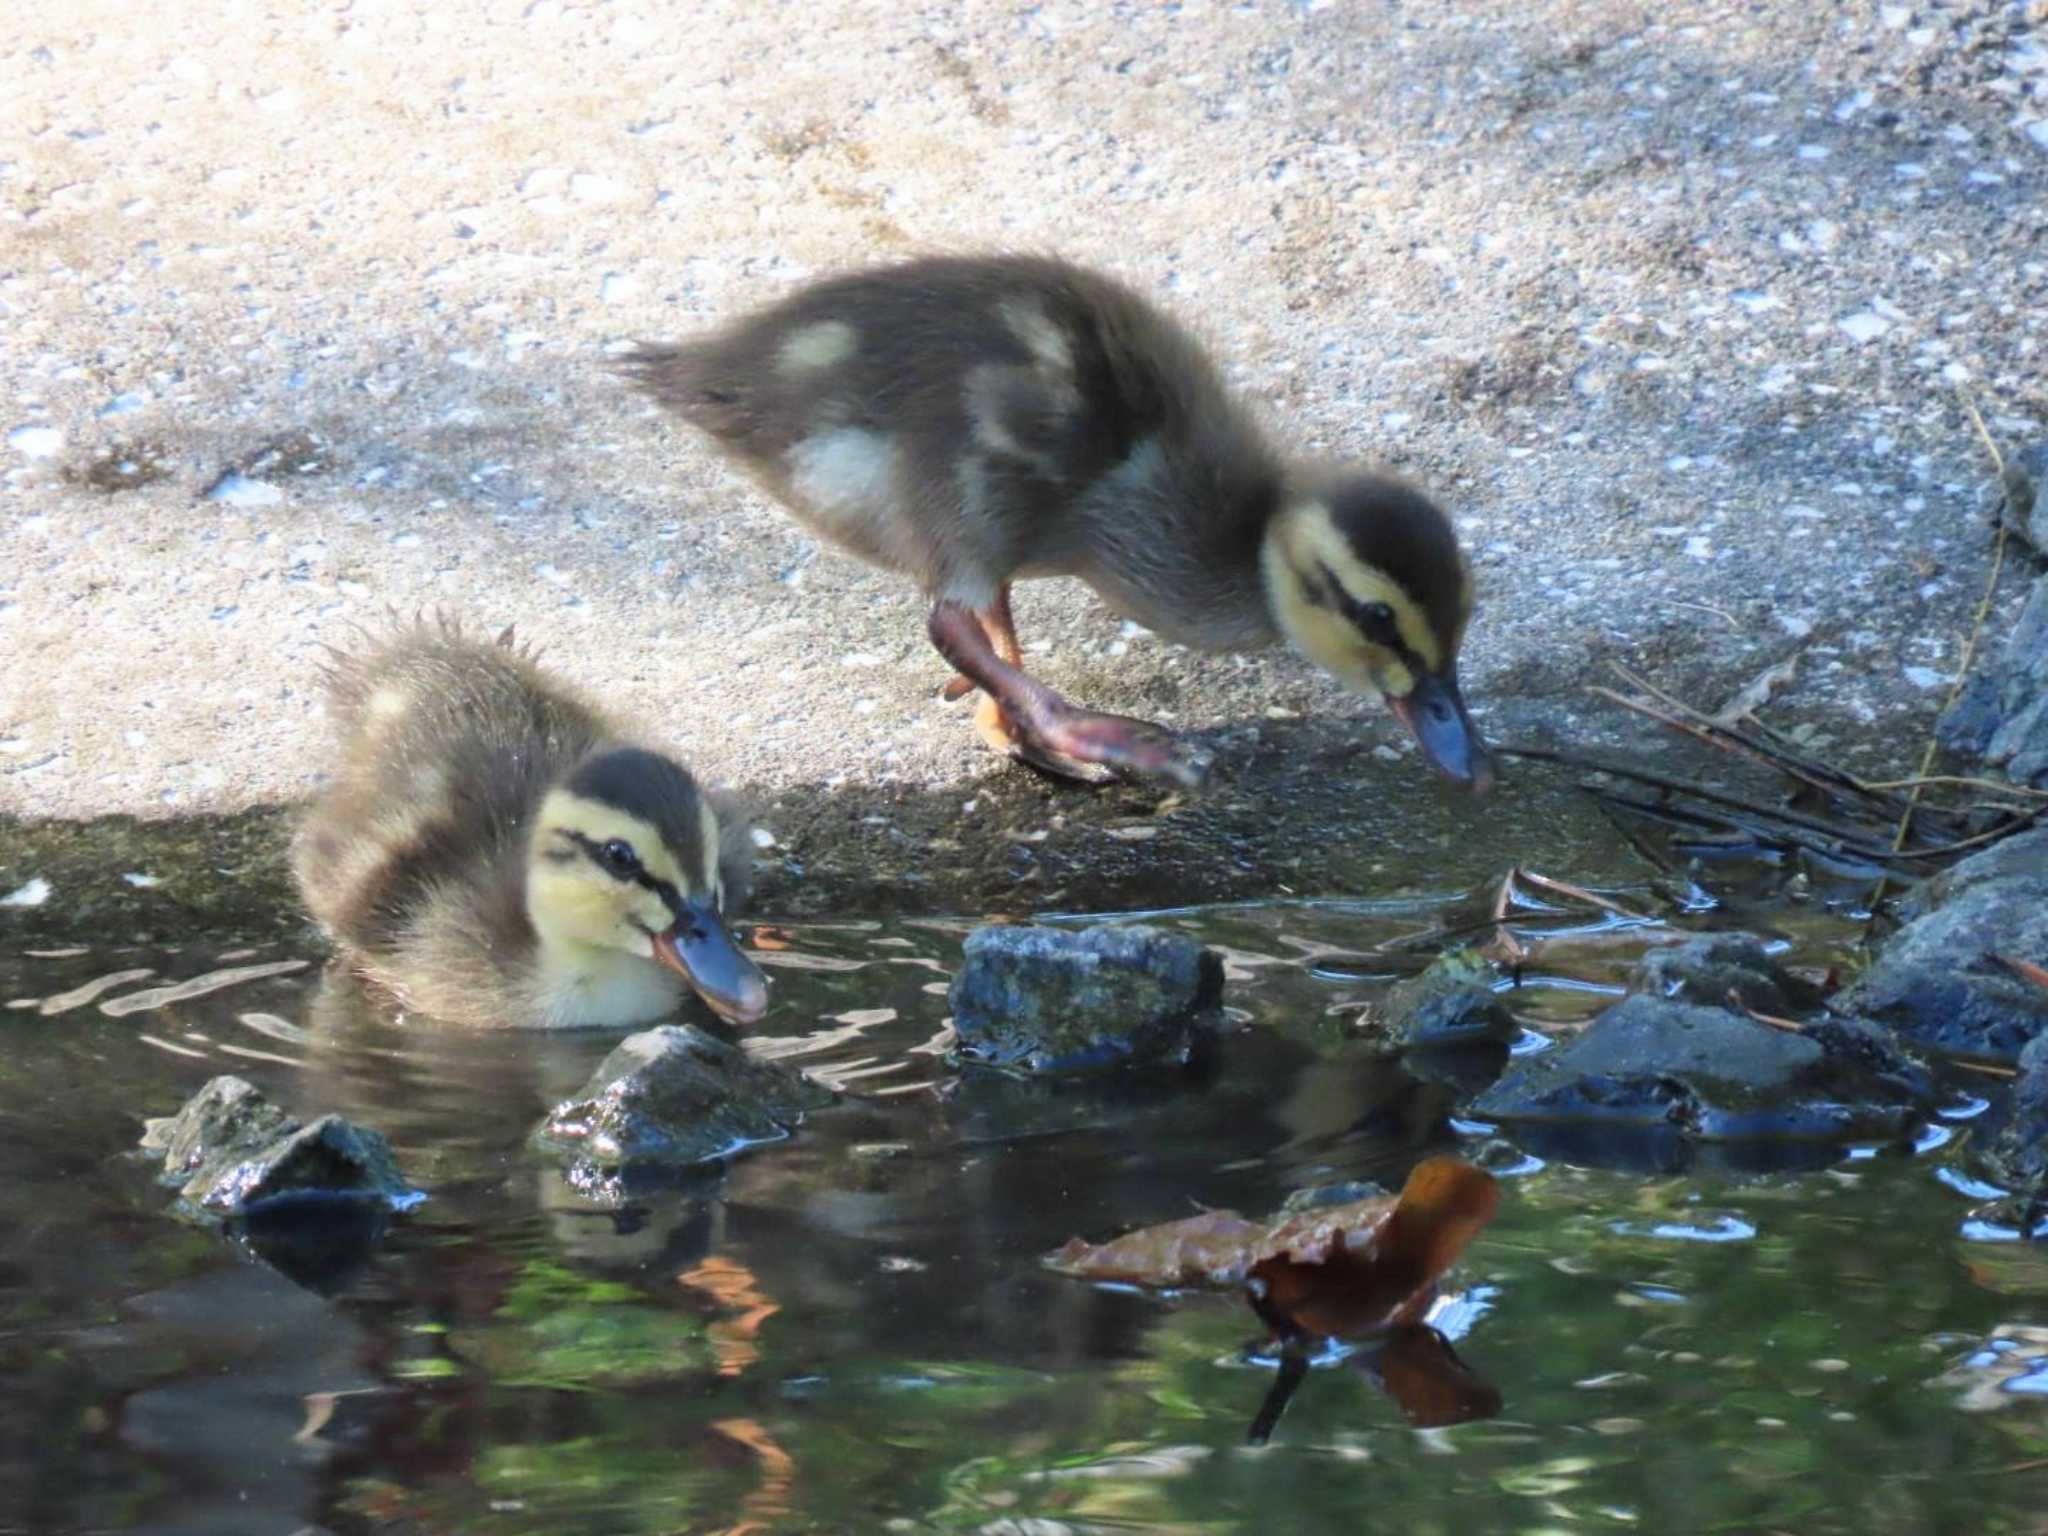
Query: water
(850,1331)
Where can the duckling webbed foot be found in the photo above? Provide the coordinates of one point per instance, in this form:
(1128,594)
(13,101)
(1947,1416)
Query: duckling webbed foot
(1026,719)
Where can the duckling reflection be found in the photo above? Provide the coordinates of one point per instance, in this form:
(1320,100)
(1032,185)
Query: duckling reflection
(494,851)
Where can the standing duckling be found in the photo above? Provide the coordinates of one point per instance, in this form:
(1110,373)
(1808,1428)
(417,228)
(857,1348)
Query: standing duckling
(494,852)
(975,421)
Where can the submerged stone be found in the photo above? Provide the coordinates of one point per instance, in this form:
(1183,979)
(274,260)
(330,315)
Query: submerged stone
(1057,1000)
(1451,1004)
(1713,969)
(230,1150)
(2017,1156)
(667,1099)
(1707,1075)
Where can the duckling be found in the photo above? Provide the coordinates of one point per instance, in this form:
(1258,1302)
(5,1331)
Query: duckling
(495,852)
(971,422)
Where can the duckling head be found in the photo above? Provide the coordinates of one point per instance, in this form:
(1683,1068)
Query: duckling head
(1365,578)
(625,857)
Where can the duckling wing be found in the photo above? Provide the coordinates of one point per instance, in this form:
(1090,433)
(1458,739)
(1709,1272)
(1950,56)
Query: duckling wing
(447,746)
(970,419)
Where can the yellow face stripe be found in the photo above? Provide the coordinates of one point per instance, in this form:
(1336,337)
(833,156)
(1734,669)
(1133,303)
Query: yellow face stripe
(1313,544)
(601,823)
(1303,553)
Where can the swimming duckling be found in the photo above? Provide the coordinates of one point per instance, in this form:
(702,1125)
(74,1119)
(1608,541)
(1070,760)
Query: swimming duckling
(976,421)
(494,852)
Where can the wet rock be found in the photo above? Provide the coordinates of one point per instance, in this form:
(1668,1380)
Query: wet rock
(1941,983)
(1450,1005)
(668,1099)
(2018,863)
(2001,716)
(1704,1075)
(1056,1000)
(230,1151)
(2018,1154)
(1857,1045)
(1712,968)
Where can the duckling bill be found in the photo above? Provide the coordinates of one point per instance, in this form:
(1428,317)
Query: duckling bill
(495,851)
(971,422)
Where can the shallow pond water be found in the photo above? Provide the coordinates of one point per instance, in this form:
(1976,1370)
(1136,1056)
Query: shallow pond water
(850,1331)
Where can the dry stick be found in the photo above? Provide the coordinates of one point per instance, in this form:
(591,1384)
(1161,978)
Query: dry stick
(1976,624)
(1510,947)
(1762,813)
(1823,776)
(1790,1026)
(1816,777)
(1996,786)
(1577,892)
(2026,970)
(1986,1068)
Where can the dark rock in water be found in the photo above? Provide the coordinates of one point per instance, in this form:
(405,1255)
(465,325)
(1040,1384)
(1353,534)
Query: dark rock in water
(1857,1045)
(228,1114)
(2001,715)
(2018,1154)
(230,1150)
(1712,968)
(1451,1004)
(1703,1074)
(1941,983)
(668,1099)
(1056,1000)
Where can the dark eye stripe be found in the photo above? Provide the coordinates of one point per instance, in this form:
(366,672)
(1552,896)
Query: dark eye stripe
(1375,621)
(594,851)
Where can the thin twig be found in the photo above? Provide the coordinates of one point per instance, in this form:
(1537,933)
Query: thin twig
(1790,1026)
(1987,1068)
(1669,785)
(1510,947)
(1997,786)
(1976,628)
(1824,776)
(1826,780)
(2026,970)
(1962,670)
(1576,892)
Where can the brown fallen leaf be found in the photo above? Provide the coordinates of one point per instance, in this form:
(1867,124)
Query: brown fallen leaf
(1333,1269)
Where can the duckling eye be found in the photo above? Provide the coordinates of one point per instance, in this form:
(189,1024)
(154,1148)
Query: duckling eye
(619,858)
(1376,621)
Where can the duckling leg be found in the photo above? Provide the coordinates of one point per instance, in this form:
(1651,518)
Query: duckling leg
(1001,630)
(1023,717)
(995,726)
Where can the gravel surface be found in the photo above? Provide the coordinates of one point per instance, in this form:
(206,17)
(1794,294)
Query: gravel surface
(303,313)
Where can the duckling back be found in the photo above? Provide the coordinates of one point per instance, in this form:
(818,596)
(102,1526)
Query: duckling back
(448,745)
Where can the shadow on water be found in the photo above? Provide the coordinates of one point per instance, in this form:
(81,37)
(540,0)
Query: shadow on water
(852,1328)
